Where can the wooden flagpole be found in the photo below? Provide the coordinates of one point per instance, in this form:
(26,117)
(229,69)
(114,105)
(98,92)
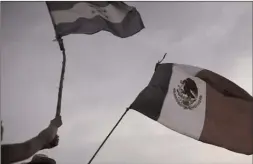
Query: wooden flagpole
(58,108)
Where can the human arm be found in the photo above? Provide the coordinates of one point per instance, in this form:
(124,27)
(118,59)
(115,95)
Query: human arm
(17,152)
(20,151)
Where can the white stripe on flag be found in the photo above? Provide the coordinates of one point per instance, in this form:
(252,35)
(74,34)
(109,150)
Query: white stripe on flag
(86,10)
(189,122)
(189,69)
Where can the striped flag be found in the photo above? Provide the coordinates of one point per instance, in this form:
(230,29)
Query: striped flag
(70,17)
(200,104)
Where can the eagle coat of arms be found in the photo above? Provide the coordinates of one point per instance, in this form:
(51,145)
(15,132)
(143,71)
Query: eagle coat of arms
(187,95)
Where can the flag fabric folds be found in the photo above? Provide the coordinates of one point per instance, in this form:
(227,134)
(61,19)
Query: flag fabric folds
(81,17)
(200,104)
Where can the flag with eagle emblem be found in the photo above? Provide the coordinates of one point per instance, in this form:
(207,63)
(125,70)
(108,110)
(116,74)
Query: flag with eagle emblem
(200,104)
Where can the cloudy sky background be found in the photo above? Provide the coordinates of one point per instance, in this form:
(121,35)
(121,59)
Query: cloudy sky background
(104,75)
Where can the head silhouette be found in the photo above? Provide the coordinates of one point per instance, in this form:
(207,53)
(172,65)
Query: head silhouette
(42,159)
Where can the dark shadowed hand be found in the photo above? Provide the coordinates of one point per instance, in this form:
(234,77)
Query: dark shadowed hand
(49,135)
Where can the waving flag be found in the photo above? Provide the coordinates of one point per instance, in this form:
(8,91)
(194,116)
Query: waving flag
(70,17)
(200,104)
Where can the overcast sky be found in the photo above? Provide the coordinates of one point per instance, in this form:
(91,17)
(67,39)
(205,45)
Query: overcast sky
(105,73)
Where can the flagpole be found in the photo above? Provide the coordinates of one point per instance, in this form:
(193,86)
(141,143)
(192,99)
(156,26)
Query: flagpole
(62,48)
(159,62)
(108,135)
(61,45)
